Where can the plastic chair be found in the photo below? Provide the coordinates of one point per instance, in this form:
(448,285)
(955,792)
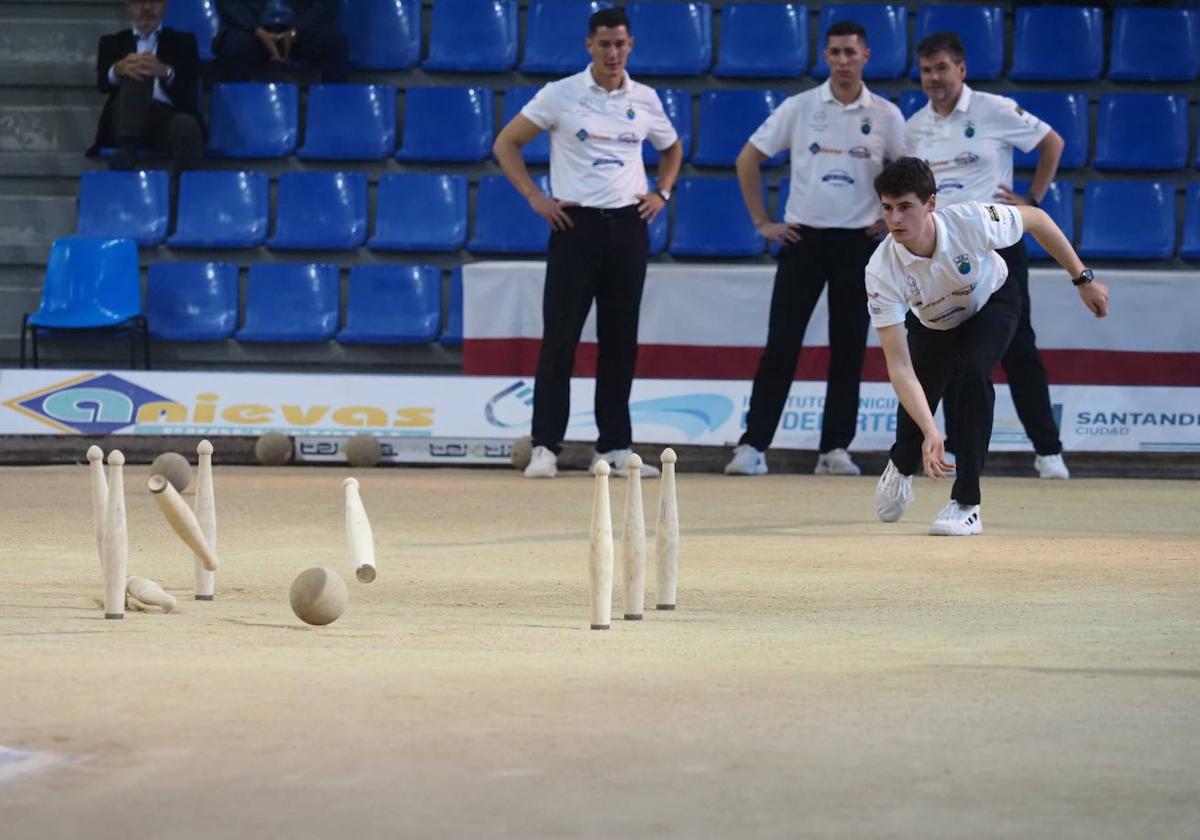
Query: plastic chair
(252,120)
(320,211)
(452,336)
(1059,202)
(420,212)
(1128,220)
(504,221)
(1057,43)
(188,301)
(383,34)
(91,283)
(393,304)
(516,98)
(659,227)
(887,36)
(447,124)
(1191,223)
(727,119)
(221,210)
(981,29)
(1066,113)
(1142,131)
(763,40)
(678,106)
(911,101)
(290,302)
(198,17)
(133,205)
(554,33)
(1155,45)
(349,122)
(477,36)
(711,220)
(673,39)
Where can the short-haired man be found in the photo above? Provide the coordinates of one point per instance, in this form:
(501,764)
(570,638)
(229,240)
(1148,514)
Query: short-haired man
(254,32)
(599,239)
(939,278)
(839,136)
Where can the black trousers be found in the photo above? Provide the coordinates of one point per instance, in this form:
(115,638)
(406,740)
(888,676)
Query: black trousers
(602,258)
(832,256)
(238,52)
(967,354)
(141,120)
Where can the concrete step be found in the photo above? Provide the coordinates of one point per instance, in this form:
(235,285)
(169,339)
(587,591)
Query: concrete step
(49,128)
(35,221)
(74,75)
(53,41)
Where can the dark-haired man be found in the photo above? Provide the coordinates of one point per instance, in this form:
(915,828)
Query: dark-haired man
(254,32)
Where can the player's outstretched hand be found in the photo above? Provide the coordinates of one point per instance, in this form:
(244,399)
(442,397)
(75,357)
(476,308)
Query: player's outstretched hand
(779,232)
(1095,297)
(933,456)
(551,210)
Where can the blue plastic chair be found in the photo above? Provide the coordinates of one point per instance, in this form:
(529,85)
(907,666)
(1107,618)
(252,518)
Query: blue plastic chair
(673,39)
(447,124)
(198,17)
(420,212)
(763,40)
(1059,202)
(516,98)
(132,205)
(252,120)
(554,33)
(383,34)
(1191,223)
(221,210)
(711,220)
(659,227)
(91,283)
(188,301)
(911,101)
(1066,113)
(1142,131)
(320,211)
(473,36)
(1155,45)
(981,29)
(452,336)
(504,221)
(290,302)
(393,304)
(349,122)
(1057,43)
(887,36)
(678,106)
(1128,220)
(727,119)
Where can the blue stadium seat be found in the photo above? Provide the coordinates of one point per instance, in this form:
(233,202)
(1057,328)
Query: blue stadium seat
(711,220)
(188,301)
(504,221)
(912,101)
(516,98)
(1066,113)
(221,210)
(383,34)
(291,302)
(981,29)
(1191,223)
(1057,43)
(198,17)
(727,119)
(393,304)
(763,40)
(252,120)
(1155,45)
(673,39)
(887,36)
(1142,131)
(554,33)
(133,205)
(349,122)
(1128,220)
(320,211)
(447,124)
(678,106)
(420,212)
(452,336)
(1059,202)
(473,36)
(658,228)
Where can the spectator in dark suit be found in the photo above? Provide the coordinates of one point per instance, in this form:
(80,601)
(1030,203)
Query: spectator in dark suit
(150,74)
(257,31)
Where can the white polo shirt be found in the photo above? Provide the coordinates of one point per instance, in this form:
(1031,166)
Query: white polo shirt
(836,152)
(952,285)
(596,137)
(970,151)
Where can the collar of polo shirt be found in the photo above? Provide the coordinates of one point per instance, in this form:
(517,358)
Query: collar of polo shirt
(964,100)
(626,83)
(863,101)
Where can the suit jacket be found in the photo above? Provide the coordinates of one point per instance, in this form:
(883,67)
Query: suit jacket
(176,49)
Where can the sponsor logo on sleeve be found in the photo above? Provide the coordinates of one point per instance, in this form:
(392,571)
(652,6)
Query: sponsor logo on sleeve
(991,211)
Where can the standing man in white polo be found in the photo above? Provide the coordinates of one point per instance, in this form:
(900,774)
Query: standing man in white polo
(599,240)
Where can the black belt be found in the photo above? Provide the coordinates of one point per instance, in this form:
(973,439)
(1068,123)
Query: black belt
(629,211)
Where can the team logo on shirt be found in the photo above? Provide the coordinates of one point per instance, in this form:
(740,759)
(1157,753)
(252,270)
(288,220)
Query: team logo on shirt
(969,131)
(629,113)
(966,158)
(963,262)
(991,211)
(865,127)
(628,137)
(860,152)
(837,177)
(582,134)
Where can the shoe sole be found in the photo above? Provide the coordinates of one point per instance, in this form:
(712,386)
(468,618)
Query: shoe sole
(950,531)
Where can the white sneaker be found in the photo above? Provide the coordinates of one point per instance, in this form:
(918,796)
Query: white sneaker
(1051,466)
(836,462)
(617,459)
(746,460)
(893,494)
(543,463)
(957,520)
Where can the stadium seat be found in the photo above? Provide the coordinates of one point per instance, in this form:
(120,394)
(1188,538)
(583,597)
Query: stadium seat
(727,119)
(133,205)
(188,301)
(1128,220)
(198,17)
(1052,43)
(981,29)
(320,211)
(1155,45)
(252,120)
(383,34)
(1191,223)
(887,36)
(349,122)
(554,33)
(290,302)
(678,106)
(763,40)
(504,221)
(447,124)
(1066,113)
(516,98)
(420,212)
(658,228)
(1142,131)
(912,101)
(1059,202)
(673,39)
(452,336)
(711,220)
(393,304)
(221,210)
(473,36)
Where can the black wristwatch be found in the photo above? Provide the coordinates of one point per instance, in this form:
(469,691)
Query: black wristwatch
(1033,202)
(1084,277)
(665,195)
